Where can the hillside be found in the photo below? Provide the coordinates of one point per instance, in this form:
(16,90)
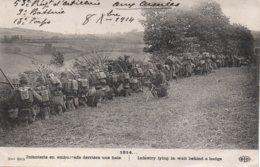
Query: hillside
(31,47)
(27,33)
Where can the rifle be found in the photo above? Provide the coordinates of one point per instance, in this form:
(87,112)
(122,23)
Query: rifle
(117,64)
(73,74)
(40,73)
(10,83)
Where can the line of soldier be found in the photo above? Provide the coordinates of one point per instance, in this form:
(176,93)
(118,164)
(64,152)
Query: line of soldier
(54,95)
(199,64)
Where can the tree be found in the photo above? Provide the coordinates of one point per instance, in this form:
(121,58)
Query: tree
(57,59)
(203,27)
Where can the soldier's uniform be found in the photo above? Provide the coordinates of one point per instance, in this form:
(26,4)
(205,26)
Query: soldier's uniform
(57,98)
(95,92)
(83,91)
(172,71)
(187,65)
(167,72)
(70,90)
(160,83)
(136,79)
(149,74)
(43,90)
(205,64)
(123,86)
(112,81)
(25,97)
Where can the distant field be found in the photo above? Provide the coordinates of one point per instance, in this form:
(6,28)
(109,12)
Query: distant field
(14,63)
(217,111)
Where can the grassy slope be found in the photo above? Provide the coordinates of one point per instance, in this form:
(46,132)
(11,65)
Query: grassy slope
(214,111)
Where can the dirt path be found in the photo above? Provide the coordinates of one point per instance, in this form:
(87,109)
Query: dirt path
(214,111)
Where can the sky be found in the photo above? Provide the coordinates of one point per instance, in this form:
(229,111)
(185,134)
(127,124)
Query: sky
(245,12)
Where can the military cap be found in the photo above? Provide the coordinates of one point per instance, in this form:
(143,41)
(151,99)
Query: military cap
(159,66)
(24,80)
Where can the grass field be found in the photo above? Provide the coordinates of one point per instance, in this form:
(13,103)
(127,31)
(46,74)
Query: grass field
(216,111)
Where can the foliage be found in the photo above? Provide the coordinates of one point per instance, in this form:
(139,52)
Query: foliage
(48,49)
(203,27)
(57,59)
(10,39)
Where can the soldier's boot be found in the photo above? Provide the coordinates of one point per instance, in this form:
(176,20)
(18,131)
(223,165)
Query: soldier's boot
(98,103)
(82,102)
(46,112)
(72,105)
(69,105)
(31,116)
(76,102)
(59,110)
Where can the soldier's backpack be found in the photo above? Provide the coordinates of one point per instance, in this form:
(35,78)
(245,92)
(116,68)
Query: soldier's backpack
(83,83)
(93,80)
(74,85)
(67,87)
(45,95)
(24,93)
(55,80)
(137,72)
(114,78)
(70,86)
(43,91)
(101,75)
(126,76)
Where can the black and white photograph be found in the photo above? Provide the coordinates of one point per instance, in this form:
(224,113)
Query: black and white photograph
(144,74)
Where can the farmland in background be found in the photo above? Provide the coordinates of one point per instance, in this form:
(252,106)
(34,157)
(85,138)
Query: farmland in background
(30,47)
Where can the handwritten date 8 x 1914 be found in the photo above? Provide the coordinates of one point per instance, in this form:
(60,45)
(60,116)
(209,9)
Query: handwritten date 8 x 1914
(111,16)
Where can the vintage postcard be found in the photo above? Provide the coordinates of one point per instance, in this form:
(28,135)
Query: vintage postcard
(129,82)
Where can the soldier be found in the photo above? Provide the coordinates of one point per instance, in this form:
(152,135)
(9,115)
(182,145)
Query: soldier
(136,79)
(70,90)
(125,63)
(25,97)
(218,61)
(103,85)
(57,98)
(123,84)
(214,61)
(112,79)
(187,65)
(159,83)
(167,72)
(95,93)
(209,62)
(148,75)
(43,90)
(83,91)
(169,61)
